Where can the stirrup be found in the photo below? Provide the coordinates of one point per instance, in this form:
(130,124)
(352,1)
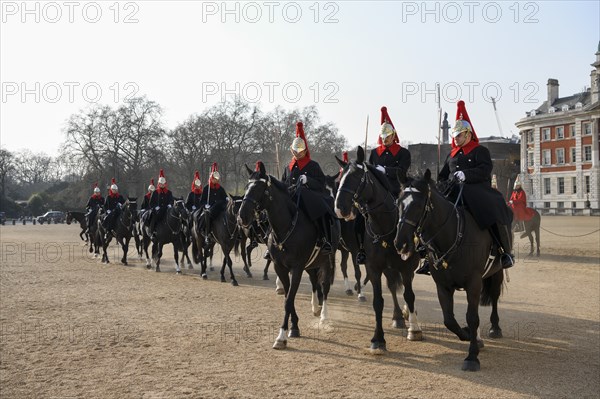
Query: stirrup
(424,269)
(361,257)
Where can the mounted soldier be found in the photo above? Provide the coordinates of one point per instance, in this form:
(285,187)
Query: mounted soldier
(518,204)
(471,164)
(146,201)
(112,206)
(214,199)
(194,198)
(94,202)
(160,200)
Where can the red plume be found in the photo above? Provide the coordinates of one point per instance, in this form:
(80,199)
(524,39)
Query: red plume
(161,173)
(213,168)
(199,189)
(345,156)
(152,181)
(257,167)
(461,113)
(113,181)
(385,117)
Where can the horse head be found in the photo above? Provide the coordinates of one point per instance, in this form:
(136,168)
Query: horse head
(414,204)
(352,185)
(257,191)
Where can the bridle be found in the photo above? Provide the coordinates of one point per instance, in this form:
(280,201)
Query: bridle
(258,209)
(363,208)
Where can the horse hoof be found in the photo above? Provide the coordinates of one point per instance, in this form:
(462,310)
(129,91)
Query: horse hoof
(223,280)
(178,271)
(124,263)
(157,269)
(294,333)
(249,275)
(204,276)
(362,298)
(495,333)
(399,323)
(480,343)
(280,291)
(148,267)
(415,336)
(280,345)
(234,283)
(212,269)
(471,365)
(377,349)
(317,313)
(349,292)
(265,277)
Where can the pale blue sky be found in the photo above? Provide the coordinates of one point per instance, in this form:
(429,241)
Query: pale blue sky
(369,54)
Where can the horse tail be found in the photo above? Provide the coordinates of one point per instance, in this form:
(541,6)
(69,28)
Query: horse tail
(236,247)
(492,288)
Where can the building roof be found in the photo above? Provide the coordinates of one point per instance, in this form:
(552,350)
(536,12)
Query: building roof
(584,98)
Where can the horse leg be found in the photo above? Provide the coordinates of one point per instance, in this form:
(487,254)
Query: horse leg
(145,244)
(231,275)
(157,254)
(471,362)
(326,279)
(414,330)
(104,246)
(344,267)
(225,256)
(245,259)
(357,277)
(492,288)
(176,257)
(394,284)
(378,341)
(284,277)
(537,239)
(266,270)
(314,282)
(446,298)
(125,247)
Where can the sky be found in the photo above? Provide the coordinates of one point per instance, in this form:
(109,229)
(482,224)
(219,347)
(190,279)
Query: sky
(348,58)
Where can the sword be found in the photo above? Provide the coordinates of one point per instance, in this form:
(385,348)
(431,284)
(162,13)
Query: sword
(366,133)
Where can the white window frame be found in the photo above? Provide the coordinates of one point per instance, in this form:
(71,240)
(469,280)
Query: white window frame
(544,163)
(544,131)
(588,184)
(574,185)
(547,186)
(586,153)
(560,181)
(560,132)
(560,153)
(572,130)
(584,128)
(530,159)
(573,155)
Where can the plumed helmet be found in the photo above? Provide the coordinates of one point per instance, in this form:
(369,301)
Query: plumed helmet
(463,122)
(517,182)
(151,187)
(113,185)
(387,127)
(299,143)
(96,188)
(161,177)
(196,182)
(214,172)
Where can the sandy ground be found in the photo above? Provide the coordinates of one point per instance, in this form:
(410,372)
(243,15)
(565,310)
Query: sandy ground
(71,327)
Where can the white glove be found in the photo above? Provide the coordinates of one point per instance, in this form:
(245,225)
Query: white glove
(156,208)
(380,168)
(193,207)
(510,202)
(206,206)
(460,175)
(302,179)
(169,206)
(108,212)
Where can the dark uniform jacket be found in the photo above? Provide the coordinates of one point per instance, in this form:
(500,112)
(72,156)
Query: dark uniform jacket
(94,202)
(146,201)
(392,164)
(213,195)
(112,201)
(485,203)
(193,201)
(161,199)
(314,199)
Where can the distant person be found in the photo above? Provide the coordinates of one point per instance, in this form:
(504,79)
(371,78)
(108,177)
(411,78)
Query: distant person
(518,204)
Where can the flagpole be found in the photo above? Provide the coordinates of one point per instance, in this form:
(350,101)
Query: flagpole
(439,127)
(366,133)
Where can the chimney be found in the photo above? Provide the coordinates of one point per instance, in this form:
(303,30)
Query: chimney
(552,91)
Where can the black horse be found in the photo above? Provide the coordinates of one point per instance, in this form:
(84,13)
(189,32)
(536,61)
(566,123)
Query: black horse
(79,217)
(364,188)
(168,230)
(122,232)
(292,245)
(349,244)
(258,233)
(532,226)
(459,255)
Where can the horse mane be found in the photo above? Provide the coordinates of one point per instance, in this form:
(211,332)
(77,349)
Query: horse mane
(380,177)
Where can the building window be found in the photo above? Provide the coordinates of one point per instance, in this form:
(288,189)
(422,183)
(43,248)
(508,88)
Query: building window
(587,129)
(547,185)
(573,154)
(573,204)
(560,156)
(561,185)
(587,184)
(546,157)
(546,134)
(574,185)
(565,107)
(530,158)
(587,153)
(551,110)
(546,205)
(560,132)
(560,205)
(572,130)
(530,136)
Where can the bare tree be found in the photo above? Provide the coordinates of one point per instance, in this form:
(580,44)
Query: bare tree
(7,167)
